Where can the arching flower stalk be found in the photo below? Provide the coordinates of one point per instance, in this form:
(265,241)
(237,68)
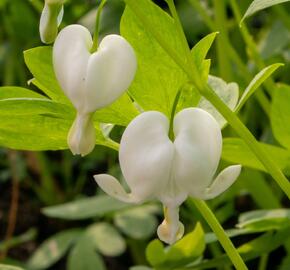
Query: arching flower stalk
(50,20)
(157,168)
(91,80)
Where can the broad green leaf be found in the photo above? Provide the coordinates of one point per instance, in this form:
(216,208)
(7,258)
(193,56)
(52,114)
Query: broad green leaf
(229,94)
(106,239)
(39,61)
(187,249)
(140,267)
(97,206)
(17,92)
(35,106)
(256,219)
(280,115)
(9,267)
(136,223)
(236,151)
(158,77)
(155,253)
(51,250)
(256,82)
(84,257)
(258,5)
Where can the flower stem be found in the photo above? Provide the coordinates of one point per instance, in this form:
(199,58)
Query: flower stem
(96,33)
(220,233)
(173,111)
(209,94)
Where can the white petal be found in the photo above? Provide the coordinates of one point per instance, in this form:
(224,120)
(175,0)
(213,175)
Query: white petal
(70,59)
(82,135)
(146,154)
(171,229)
(50,19)
(223,181)
(112,187)
(198,145)
(110,72)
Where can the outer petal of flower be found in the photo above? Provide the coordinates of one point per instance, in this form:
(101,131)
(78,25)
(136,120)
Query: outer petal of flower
(146,154)
(112,187)
(223,181)
(198,145)
(71,53)
(110,72)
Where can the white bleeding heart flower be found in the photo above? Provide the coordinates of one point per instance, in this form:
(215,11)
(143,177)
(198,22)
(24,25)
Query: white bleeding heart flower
(157,168)
(91,80)
(50,20)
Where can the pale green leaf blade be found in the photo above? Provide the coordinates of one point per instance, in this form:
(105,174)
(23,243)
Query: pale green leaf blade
(52,249)
(258,5)
(106,239)
(155,253)
(97,206)
(140,267)
(262,76)
(236,151)
(84,257)
(229,94)
(158,77)
(9,267)
(280,115)
(17,92)
(39,62)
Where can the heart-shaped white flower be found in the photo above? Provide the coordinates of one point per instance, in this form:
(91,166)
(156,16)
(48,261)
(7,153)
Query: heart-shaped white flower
(91,80)
(50,20)
(157,168)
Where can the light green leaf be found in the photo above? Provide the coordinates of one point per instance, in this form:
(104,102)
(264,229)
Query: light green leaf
(140,267)
(136,223)
(261,219)
(187,249)
(17,92)
(280,115)
(155,253)
(84,257)
(52,249)
(262,76)
(9,267)
(106,239)
(39,62)
(158,77)
(258,5)
(236,151)
(97,206)
(229,94)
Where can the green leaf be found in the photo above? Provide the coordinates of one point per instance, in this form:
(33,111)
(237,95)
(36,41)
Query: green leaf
(188,249)
(52,249)
(39,62)
(97,206)
(229,94)
(261,219)
(158,77)
(258,5)
(9,267)
(106,239)
(17,92)
(155,253)
(140,267)
(84,257)
(262,76)
(236,151)
(280,115)
(136,223)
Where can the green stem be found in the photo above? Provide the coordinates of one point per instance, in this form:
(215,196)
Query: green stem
(209,94)
(263,262)
(173,111)
(220,233)
(222,41)
(96,33)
